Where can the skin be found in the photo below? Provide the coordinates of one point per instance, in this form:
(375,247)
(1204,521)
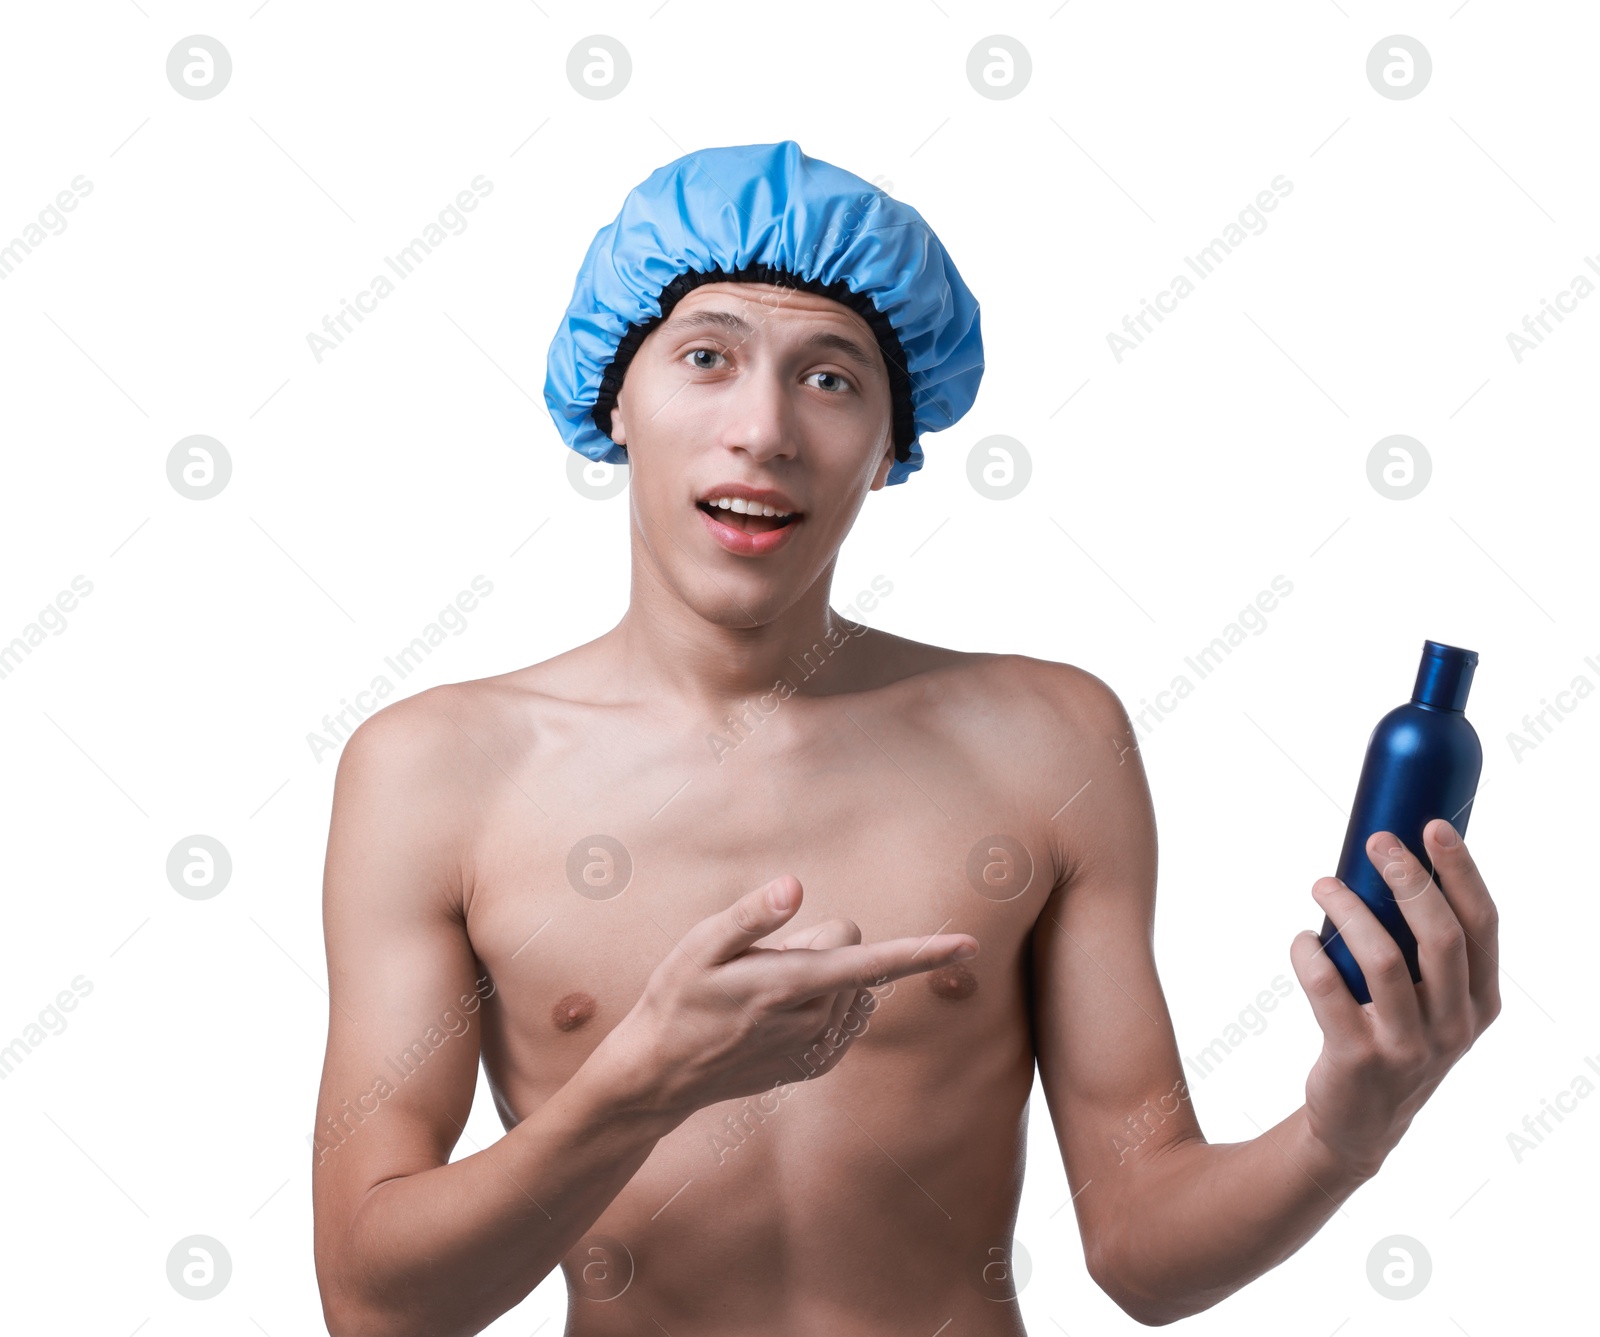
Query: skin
(726,1115)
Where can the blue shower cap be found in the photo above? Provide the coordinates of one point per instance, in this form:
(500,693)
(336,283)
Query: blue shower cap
(766,213)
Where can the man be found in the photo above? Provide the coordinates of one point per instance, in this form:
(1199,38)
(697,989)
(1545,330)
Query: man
(706,894)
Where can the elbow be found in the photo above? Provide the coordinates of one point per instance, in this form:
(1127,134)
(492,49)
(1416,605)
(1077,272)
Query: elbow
(354,1304)
(346,1312)
(1127,1257)
(1146,1307)
(343,1314)
(349,1326)
(1150,1317)
(348,1318)
(345,1284)
(343,1319)
(1152,1320)
(340,1324)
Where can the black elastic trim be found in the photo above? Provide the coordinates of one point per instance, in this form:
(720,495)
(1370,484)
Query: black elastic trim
(888,341)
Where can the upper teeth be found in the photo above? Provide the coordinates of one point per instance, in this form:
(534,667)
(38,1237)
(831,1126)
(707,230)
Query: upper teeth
(745,507)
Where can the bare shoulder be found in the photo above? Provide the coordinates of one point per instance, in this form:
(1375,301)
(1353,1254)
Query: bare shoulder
(392,772)
(452,730)
(1051,724)
(1014,692)
(422,739)
(414,776)
(1073,695)
(1055,738)
(453,740)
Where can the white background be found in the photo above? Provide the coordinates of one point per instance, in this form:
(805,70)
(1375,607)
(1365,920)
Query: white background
(369,488)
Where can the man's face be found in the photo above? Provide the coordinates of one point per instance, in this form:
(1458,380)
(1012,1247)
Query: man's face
(752,386)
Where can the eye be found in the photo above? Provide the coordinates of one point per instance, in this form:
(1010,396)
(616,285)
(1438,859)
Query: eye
(706,352)
(839,381)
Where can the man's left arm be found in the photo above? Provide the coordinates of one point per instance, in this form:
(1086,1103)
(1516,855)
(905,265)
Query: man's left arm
(1171,1223)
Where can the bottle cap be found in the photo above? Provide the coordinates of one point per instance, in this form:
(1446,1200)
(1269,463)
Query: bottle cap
(1445,676)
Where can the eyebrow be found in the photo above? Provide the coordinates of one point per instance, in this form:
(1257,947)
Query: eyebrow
(726,320)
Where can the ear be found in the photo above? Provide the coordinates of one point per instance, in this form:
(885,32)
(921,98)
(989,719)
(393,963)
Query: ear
(884,465)
(619,428)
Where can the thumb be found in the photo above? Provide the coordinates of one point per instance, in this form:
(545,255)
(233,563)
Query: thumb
(724,935)
(829,933)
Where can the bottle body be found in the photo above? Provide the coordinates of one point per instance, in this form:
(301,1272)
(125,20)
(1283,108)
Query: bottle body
(1423,761)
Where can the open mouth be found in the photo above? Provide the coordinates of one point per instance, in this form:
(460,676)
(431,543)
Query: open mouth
(749,521)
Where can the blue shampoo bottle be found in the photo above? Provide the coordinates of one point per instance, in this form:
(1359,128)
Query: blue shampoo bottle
(1422,762)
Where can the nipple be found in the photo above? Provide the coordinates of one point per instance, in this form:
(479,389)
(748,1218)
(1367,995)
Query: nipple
(955,982)
(571,1012)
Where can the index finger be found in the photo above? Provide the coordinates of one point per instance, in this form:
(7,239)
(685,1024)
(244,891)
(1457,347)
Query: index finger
(1440,938)
(1463,886)
(810,971)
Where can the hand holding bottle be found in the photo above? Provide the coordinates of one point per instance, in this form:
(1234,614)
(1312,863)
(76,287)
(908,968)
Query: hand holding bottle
(1423,760)
(1381,1061)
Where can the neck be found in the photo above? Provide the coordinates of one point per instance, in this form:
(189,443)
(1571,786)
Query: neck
(666,647)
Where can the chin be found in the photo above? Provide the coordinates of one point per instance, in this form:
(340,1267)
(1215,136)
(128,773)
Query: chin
(739,601)
(731,609)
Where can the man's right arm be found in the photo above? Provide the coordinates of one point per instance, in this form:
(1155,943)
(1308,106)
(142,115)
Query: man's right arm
(406,1240)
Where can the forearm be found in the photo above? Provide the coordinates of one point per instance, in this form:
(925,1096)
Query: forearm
(446,1251)
(1208,1219)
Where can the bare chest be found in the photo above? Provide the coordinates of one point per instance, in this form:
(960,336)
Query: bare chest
(582,885)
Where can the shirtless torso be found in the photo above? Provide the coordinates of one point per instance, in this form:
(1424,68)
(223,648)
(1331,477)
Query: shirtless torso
(920,791)
(866,1199)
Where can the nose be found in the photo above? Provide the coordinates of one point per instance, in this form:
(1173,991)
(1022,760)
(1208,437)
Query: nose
(759,417)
